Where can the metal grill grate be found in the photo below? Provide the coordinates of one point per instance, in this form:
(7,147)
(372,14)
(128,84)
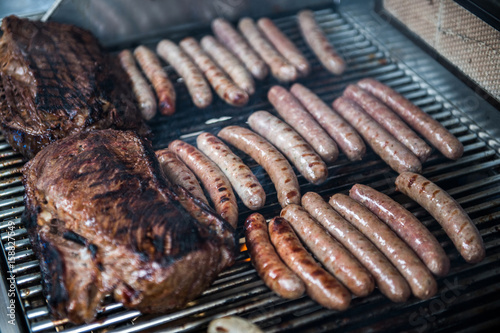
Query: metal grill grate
(467,298)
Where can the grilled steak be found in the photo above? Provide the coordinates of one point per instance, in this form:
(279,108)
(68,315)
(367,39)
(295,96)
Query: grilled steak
(56,80)
(103,220)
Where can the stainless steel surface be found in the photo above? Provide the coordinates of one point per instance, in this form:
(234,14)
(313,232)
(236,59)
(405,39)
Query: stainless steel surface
(117,21)
(468,298)
(51,10)
(25,8)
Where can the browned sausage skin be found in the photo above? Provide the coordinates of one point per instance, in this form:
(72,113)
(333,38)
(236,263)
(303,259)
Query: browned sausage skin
(214,181)
(142,91)
(239,174)
(447,212)
(406,226)
(222,85)
(344,135)
(296,116)
(195,82)
(334,257)
(164,88)
(284,45)
(318,42)
(422,283)
(232,39)
(281,69)
(382,142)
(389,281)
(178,173)
(389,120)
(291,144)
(264,153)
(231,65)
(320,285)
(430,129)
(275,274)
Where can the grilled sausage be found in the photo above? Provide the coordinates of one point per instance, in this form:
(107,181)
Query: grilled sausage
(389,120)
(346,137)
(388,279)
(294,114)
(280,68)
(422,283)
(214,181)
(239,174)
(454,220)
(319,44)
(197,86)
(405,225)
(232,39)
(430,129)
(334,257)
(222,85)
(291,144)
(164,88)
(142,91)
(275,274)
(284,46)
(397,156)
(264,153)
(320,285)
(231,65)
(178,173)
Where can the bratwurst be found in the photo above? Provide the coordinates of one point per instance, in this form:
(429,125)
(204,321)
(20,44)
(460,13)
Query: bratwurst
(447,212)
(276,275)
(264,153)
(430,128)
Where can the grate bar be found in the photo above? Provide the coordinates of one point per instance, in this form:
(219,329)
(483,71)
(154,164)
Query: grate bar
(6,223)
(18,244)
(31,292)
(37,313)
(14,234)
(12,191)
(22,255)
(8,153)
(25,266)
(15,161)
(10,181)
(4,145)
(10,172)
(11,212)
(11,201)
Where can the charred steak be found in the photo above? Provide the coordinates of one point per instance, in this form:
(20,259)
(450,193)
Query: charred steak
(104,221)
(56,80)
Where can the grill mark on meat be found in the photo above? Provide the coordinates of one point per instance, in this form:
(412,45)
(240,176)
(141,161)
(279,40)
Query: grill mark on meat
(74,237)
(93,250)
(53,267)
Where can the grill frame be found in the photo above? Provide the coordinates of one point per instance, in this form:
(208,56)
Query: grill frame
(238,290)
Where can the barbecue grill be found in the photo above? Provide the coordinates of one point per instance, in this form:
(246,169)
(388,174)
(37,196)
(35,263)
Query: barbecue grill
(468,298)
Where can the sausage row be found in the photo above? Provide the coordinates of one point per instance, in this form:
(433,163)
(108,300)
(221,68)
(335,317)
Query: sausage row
(303,140)
(360,239)
(227,63)
(383,116)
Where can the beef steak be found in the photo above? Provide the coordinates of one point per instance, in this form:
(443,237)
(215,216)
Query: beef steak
(55,80)
(103,220)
